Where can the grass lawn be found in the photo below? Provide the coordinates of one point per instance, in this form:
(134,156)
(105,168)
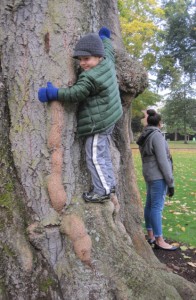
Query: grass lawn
(179,215)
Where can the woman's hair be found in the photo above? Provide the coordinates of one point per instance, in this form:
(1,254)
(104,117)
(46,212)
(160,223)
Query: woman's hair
(153,118)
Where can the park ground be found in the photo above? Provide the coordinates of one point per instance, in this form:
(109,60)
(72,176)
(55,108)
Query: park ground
(181,261)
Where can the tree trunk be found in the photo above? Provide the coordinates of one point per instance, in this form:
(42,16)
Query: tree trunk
(186,138)
(175,136)
(53,245)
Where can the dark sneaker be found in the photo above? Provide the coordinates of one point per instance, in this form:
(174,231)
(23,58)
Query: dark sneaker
(113,190)
(95,198)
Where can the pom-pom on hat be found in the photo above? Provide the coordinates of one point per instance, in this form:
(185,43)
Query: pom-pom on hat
(89,45)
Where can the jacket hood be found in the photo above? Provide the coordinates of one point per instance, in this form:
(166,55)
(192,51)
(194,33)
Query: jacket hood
(145,134)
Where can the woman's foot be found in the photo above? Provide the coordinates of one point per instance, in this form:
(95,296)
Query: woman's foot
(151,241)
(161,244)
(151,238)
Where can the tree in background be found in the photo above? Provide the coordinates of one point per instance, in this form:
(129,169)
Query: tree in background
(179,112)
(179,35)
(141,36)
(162,35)
(140,29)
(147,98)
(177,67)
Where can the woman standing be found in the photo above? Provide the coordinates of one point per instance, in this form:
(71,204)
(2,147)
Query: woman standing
(157,172)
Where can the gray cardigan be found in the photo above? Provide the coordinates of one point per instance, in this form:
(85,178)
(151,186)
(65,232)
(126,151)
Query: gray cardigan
(156,158)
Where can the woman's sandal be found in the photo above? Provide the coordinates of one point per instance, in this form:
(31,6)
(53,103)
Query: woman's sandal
(166,249)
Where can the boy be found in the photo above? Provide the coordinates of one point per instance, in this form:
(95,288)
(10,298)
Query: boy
(97,93)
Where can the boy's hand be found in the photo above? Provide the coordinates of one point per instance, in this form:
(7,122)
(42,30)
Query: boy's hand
(104,32)
(48,94)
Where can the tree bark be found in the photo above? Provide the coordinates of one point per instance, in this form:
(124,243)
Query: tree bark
(53,245)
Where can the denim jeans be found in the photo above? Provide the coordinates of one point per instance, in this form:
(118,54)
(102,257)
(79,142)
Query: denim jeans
(155,198)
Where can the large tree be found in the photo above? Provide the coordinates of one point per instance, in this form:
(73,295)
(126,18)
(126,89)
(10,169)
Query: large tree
(53,245)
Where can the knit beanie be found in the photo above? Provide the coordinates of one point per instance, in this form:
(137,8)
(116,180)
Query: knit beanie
(89,45)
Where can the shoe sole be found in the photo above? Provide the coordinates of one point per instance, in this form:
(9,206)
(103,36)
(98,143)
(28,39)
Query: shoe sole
(96,201)
(104,201)
(165,249)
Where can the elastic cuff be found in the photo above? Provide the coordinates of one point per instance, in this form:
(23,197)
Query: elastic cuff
(61,94)
(103,37)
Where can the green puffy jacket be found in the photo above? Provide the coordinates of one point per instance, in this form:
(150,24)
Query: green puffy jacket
(97,93)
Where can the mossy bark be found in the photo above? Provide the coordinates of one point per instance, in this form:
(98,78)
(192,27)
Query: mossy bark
(82,251)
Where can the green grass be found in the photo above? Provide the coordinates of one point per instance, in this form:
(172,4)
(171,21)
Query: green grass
(179,214)
(182,145)
(175,145)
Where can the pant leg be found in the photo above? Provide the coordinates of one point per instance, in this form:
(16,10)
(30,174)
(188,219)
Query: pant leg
(158,193)
(99,161)
(147,209)
(108,161)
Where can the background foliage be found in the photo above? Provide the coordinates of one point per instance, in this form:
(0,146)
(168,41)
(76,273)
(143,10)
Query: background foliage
(162,35)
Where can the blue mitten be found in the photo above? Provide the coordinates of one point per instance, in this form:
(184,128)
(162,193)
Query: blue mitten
(52,92)
(104,32)
(42,96)
(48,94)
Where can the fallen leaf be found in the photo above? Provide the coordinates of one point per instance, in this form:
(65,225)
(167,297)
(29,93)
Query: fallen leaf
(175,244)
(170,229)
(177,213)
(168,203)
(185,256)
(192,264)
(183,229)
(192,193)
(183,248)
(185,209)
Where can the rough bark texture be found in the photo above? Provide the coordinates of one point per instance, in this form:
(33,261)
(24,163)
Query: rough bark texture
(77,251)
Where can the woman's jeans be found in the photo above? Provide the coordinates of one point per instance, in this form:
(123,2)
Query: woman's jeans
(156,192)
